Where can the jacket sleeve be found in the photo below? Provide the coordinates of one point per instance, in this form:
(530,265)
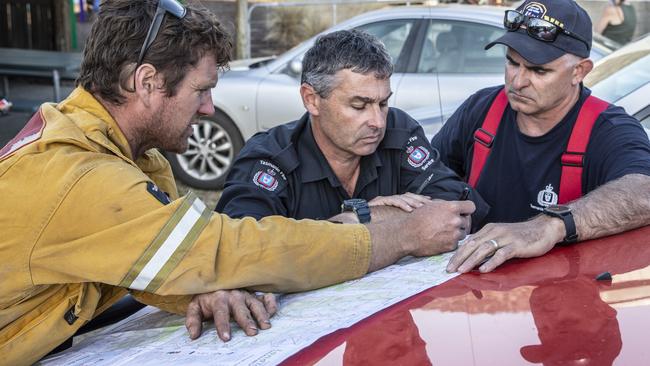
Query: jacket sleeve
(255,188)
(109,228)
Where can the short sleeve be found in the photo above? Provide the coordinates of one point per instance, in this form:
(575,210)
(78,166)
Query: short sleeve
(255,188)
(618,146)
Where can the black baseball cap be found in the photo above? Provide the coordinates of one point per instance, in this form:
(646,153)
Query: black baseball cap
(565,14)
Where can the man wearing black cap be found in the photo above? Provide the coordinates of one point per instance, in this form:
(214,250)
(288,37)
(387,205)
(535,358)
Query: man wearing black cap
(556,164)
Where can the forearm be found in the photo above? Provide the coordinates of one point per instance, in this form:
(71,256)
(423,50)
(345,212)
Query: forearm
(617,206)
(433,228)
(378,214)
(603,21)
(386,232)
(601,25)
(384,229)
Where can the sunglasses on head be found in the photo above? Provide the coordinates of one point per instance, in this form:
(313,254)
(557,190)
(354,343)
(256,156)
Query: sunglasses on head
(539,29)
(173,7)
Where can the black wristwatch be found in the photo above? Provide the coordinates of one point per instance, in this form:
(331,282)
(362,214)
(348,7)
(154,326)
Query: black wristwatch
(359,206)
(564,213)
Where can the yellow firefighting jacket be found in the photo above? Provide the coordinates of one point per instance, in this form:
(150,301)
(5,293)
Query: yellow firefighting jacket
(81,222)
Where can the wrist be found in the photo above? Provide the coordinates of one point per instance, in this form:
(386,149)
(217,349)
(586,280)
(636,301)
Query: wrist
(564,214)
(359,206)
(554,227)
(345,218)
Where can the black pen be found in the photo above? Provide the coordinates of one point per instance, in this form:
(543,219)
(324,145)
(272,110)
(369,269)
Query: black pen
(464,194)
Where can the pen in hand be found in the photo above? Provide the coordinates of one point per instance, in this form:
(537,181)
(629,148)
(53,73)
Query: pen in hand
(464,194)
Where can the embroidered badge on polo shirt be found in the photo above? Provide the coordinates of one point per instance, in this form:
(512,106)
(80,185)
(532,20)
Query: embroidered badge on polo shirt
(416,153)
(268,176)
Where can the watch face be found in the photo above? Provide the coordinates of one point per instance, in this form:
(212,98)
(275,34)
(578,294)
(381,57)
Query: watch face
(558,209)
(354,202)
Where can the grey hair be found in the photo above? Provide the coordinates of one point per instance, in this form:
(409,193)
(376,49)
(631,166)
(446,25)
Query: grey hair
(346,49)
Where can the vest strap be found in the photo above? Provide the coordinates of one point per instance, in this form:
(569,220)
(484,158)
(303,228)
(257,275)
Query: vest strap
(573,159)
(485,136)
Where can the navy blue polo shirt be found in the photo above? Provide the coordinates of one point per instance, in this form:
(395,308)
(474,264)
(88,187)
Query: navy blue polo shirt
(522,174)
(283,172)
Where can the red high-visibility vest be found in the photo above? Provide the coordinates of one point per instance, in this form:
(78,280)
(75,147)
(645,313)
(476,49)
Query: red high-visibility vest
(572,159)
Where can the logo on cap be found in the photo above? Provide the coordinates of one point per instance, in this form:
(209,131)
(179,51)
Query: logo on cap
(265,180)
(535,10)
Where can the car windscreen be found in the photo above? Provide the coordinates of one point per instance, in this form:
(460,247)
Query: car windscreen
(627,73)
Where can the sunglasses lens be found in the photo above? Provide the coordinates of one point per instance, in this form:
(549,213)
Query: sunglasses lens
(512,20)
(174,7)
(542,30)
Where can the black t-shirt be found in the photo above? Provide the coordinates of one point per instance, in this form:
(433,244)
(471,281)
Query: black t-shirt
(522,174)
(283,172)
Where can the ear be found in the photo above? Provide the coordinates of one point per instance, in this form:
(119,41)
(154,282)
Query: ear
(146,83)
(310,99)
(582,68)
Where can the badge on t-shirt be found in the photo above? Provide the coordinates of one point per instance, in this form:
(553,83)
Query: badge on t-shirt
(156,192)
(268,176)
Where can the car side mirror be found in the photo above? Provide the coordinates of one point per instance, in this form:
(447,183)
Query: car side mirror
(295,66)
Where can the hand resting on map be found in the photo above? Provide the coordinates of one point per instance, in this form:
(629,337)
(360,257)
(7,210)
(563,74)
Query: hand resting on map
(251,312)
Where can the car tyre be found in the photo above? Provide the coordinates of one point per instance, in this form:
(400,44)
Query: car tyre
(212,149)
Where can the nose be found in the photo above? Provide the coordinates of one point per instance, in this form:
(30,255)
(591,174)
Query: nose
(520,79)
(377,117)
(206,108)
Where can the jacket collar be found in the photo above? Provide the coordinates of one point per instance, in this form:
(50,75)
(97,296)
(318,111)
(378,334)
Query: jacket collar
(100,127)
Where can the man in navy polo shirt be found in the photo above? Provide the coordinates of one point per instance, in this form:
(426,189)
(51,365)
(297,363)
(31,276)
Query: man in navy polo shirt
(350,149)
(555,164)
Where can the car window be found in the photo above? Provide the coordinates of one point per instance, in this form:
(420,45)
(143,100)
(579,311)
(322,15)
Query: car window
(393,34)
(458,47)
(623,79)
(644,117)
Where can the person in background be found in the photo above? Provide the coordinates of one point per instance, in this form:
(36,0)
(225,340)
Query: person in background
(617,22)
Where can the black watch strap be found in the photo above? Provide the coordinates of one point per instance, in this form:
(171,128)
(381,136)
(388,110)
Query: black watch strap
(359,207)
(570,226)
(564,213)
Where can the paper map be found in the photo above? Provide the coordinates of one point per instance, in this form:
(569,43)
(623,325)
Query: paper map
(154,337)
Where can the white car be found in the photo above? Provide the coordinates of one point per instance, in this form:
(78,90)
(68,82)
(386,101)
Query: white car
(439,59)
(623,78)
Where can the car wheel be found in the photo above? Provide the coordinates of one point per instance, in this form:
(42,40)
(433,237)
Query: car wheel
(211,151)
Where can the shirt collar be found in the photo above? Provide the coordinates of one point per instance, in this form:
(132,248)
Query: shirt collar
(314,165)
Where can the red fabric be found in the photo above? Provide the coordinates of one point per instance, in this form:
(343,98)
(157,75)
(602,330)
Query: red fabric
(573,158)
(490,125)
(30,133)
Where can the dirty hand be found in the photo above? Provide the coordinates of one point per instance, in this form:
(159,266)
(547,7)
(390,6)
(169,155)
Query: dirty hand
(248,310)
